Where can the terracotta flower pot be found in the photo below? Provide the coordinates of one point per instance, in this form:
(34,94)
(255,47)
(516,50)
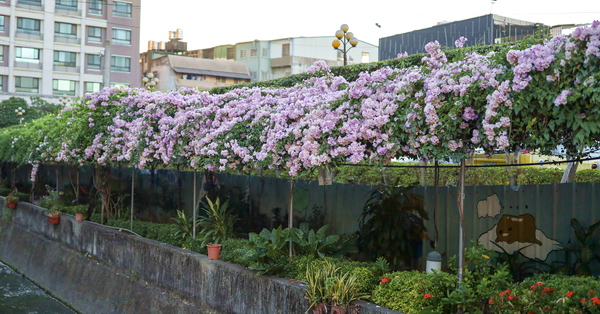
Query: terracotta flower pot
(54,219)
(214,250)
(319,309)
(11,205)
(79,216)
(338,309)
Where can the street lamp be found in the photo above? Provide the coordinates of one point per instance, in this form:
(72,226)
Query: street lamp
(150,81)
(344,37)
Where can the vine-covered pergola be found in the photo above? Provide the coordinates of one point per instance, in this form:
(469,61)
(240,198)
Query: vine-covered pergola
(518,97)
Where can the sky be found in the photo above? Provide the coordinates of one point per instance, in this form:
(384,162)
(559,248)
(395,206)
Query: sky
(207,24)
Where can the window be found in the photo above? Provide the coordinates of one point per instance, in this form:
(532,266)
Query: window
(285,50)
(29,55)
(1,53)
(25,84)
(1,23)
(93,62)
(264,76)
(221,80)
(254,76)
(95,7)
(65,30)
(65,58)
(95,34)
(265,53)
(121,9)
(120,64)
(243,53)
(92,87)
(63,87)
(252,52)
(121,36)
(365,58)
(31,2)
(1,83)
(28,26)
(66,4)
(230,53)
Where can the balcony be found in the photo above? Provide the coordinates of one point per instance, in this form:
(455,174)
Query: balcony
(30,5)
(67,40)
(29,35)
(62,68)
(28,65)
(281,62)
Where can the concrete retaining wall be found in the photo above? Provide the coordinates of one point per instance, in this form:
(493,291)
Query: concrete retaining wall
(97,269)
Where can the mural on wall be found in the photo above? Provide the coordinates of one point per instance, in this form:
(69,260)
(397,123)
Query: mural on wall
(514,233)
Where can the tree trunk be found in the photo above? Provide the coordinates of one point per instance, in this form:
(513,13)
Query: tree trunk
(569,174)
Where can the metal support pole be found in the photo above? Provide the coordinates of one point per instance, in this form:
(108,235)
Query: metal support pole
(461,237)
(291,213)
(132,193)
(195,209)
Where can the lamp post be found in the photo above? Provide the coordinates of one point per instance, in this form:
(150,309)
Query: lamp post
(150,80)
(344,38)
(20,111)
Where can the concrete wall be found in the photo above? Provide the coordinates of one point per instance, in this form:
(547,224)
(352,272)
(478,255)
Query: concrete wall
(97,269)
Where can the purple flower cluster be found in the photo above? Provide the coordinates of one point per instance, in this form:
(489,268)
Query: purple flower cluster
(440,109)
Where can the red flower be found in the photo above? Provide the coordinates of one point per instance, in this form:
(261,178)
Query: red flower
(510,297)
(385,279)
(539,283)
(595,301)
(583,300)
(427,296)
(591,292)
(501,293)
(569,294)
(507,290)
(533,287)
(547,290)
(490,302)
(531,312)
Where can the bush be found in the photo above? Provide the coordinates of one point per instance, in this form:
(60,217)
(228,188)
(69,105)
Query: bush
(549,294)
(233,250)
(413,291)
(587,175)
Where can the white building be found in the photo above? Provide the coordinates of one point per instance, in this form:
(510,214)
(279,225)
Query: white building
(50,48)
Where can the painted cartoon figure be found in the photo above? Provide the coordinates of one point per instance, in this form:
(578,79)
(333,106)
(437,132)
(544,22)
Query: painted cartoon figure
(517,229)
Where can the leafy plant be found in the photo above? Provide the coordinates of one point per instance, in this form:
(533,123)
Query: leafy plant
(217,224)
(327,284)
(184,225)
(412,291)
(267,251)
(585,247)
(12,199)
(318,243)
(482,278)
(391,225)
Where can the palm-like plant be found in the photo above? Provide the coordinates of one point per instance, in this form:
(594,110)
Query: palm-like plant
(217,224)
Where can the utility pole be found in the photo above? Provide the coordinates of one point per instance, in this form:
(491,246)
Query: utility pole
(107,66)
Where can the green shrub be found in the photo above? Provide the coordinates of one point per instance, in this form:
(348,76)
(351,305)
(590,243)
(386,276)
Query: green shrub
(482,278)
(413,291)
(5,191)
(267,252)
(548,293)
(233,250)
(587,175)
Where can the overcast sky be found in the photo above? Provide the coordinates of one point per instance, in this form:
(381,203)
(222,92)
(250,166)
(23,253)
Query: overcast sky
(207,24)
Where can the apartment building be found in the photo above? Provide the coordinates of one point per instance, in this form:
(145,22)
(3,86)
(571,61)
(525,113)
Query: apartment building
(272,59)
(50,48)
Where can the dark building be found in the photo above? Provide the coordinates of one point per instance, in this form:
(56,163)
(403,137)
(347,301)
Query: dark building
(482,30)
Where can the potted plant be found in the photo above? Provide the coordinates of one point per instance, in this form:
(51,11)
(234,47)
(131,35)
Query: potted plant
(80,211)
(54,217)
(329,290)
(217,226)
(11,201)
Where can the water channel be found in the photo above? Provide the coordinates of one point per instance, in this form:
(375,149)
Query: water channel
(19,295)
